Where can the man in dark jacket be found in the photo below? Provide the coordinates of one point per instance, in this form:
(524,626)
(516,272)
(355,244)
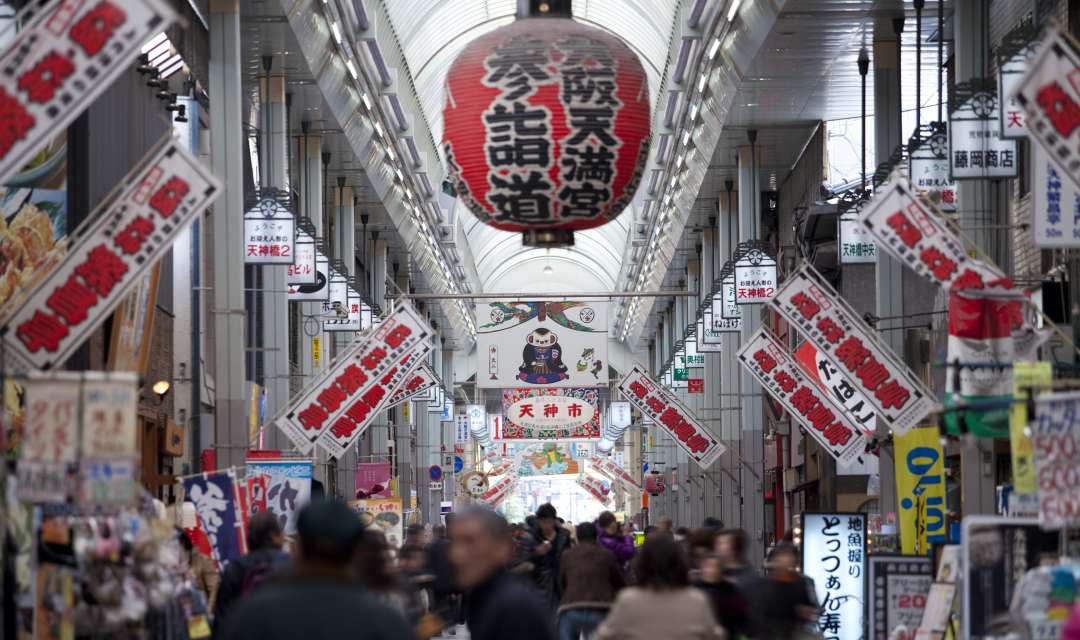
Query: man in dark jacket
(498,605)
(265,558)
(320,599)
(589,576)
(437,565)
(549,542)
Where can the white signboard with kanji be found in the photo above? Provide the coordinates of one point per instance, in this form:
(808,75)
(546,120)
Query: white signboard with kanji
(61,61)
(931,172)
(126,236)
(50,437)
(976,148)
(857,244)
(1055,204)
(802,397)
(659,404)
(869,366)
(1050,98)
(335,309)
(108,417)
(269,232)
(302,270)
(725,309)
(418,382)
(920,239)
(755,277)
(834,557)
(707,339)
(1011,72)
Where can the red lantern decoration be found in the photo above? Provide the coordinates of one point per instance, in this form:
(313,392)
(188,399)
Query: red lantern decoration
(546,128)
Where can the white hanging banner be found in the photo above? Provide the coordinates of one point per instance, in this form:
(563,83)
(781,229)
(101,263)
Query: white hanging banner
(782,377)
(619,414)
(920,239)
(302,270)
(126,236)
(269,230)
(755,273)
(707,339)
(317,291)
(660,404)
(1050,99)
(867,365)
(595,488)
(976,148)
(417,382)
(607,467)
(1055,204)
(1013,120)
(726,311)
(335,308)
(60,61)
(857,245)
(931,173)
(352,389)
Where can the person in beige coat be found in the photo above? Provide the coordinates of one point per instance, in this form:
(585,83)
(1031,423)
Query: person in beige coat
(663,605)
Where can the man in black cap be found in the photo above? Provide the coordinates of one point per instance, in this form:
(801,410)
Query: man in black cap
(319,598)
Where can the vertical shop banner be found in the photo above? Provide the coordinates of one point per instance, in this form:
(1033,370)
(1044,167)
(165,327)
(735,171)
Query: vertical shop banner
(461,428)
(214,496)
(1011,72)
(318,287)
(269,229)
(418,382)
(542,344)
(50,437)
(544,414)
(786,381)
(660,404)
(288,487)
(1051,101)
(853,351)
(61,60)
(1027,377)
(1055,439)
(386,514)
(350,391)
(920,489)
(921,240)
(834,556)
(1055,204)
(126,236)
(302,270)
(725,308)
(595,488)
(373,480)
(898,588)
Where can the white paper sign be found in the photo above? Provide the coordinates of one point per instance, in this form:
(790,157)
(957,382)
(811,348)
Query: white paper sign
(1055,443)
(868,366)
(61,61)
(418,382)
(802,397)
(108,417)
(128,234)
(619,414)
(50,437)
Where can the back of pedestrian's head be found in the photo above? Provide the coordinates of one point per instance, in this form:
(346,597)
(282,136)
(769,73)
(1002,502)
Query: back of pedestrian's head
(605,520)
(329,533)
(586,532)
(264,532)
(661,564)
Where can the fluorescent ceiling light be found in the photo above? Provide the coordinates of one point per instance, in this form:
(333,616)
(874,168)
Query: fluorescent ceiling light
(733,9)
(352,72)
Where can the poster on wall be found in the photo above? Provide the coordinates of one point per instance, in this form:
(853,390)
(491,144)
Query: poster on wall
(920,489)
(898,588)
(127,235)
(542,344)
(1055,204)
(288,487)
(834,556)
(386,514)
(544,414)
(373,480)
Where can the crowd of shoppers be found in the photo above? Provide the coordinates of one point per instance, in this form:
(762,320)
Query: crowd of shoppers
(539,580)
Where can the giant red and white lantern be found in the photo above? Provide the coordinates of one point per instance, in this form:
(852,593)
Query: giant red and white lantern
(546,127)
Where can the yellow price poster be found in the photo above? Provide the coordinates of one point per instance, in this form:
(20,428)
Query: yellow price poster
(920,489)
(316,349)
(1025,375)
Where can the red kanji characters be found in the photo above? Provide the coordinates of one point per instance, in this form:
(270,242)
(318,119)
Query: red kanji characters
(697,443)
(351,379)
(806,305)
(820,416)
(907,232)
(398,335)
(872,373)
(331,398)
(169,196)
(15,121)
(968,279)
(852,353)
(43,330)
(785,381)
(830,330)
(683,430)
(525,410)
(130,239)
(656,405)
(1060,108)
(670,418)
(939,264)
(639,389)
(388,379)
(358,411)
(313,417)
(574,410)
(48,75)
(102,270)
(803,400)
(343,428)
(72,301)
(764,360)
(94,29)
(892,395)
(373,358)
(374,395)
(837,434)
(550,411)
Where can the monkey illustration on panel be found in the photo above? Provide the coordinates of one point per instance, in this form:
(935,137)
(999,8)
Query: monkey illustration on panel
(542,358)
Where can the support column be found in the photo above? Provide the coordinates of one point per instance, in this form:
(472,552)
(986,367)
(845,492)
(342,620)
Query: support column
(227,158)
(379,429)
(273,172)
(729,369)
(311,196)
(752,418)
(976,216)
(403,433)
(346,245)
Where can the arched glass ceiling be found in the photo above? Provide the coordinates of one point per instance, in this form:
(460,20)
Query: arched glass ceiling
(432,33)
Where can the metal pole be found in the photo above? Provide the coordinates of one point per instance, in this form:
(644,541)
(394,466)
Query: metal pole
(941,60)
(864,68)
(919,4)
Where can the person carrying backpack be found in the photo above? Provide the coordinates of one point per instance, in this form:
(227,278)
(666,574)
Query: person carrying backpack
(265,557)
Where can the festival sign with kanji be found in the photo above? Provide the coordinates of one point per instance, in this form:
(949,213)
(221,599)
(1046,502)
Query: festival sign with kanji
(1050,98)
(919,239)
(269,229)
(834,557)
(349,393)
(417,382)
(61,61)
(542,344)
(976,148)
(544,414)
(125,237)
(1055,204)
(853,351)
(50,437)
(784,379)
(658,403)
